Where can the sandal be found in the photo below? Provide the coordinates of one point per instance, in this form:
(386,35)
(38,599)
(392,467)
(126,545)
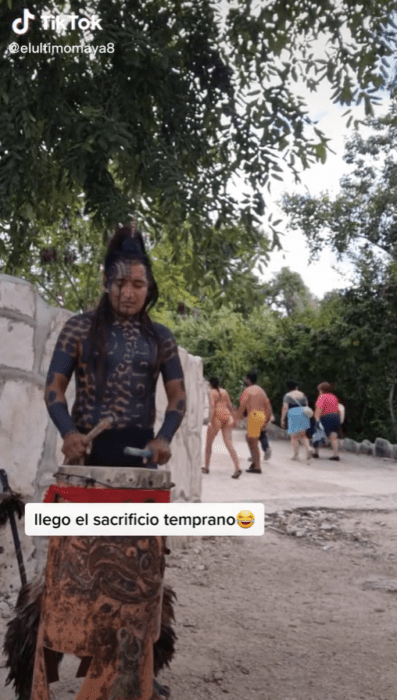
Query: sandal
(236,474)
(251,470)
(205,470)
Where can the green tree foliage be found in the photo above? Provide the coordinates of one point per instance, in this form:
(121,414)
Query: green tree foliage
(357,351)
(288,293)
(362,217)
(64,262)
(348,340)
(171,278)
(361,221)
(193,93)
(219,273)
(368,353)
(229,344)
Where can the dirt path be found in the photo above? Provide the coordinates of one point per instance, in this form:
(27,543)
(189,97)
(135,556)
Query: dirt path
(307,612)
(287,618)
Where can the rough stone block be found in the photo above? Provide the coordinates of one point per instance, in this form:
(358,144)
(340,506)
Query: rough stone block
(383,448)
(366,448)
(350,445)
(56,324)
(185,463)
(24,418)
(16,344)
(17,295)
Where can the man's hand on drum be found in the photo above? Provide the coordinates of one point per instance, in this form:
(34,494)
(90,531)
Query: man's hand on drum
(74,447)
(161,450)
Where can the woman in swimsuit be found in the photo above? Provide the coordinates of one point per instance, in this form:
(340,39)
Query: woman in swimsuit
(221,418)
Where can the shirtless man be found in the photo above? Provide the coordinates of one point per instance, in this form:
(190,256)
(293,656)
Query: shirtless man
(255,403)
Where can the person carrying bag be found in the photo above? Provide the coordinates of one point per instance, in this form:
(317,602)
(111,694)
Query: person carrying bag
(295,417)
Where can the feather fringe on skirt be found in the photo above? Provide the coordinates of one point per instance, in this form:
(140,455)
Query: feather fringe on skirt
(20,639)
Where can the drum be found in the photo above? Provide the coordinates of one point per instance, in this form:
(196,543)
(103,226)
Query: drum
(78,484)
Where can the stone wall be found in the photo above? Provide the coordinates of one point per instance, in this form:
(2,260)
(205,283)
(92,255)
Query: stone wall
(379,448)
(30,446)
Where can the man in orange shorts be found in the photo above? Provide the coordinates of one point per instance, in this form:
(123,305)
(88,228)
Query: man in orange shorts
(255,403)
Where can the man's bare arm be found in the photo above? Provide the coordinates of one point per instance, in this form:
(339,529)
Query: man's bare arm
(284,412)
(268,410)
(242,408)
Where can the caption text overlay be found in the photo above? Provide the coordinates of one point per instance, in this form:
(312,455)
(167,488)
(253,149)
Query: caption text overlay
(144,519)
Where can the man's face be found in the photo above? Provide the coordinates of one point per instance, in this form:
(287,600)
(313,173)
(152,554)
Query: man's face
(127,287)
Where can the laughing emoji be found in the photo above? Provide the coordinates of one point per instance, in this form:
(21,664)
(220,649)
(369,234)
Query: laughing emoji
(245,519)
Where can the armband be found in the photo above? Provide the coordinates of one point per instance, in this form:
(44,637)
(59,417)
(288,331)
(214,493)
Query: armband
(172,421)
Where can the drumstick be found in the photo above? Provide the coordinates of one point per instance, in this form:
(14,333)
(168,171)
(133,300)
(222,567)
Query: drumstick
(136,452)
(104,424)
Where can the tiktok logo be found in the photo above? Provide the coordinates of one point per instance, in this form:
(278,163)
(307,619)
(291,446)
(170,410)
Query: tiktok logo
(24,21)
(57,23)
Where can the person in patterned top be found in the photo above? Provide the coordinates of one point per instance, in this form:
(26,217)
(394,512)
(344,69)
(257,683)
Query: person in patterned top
(117,353)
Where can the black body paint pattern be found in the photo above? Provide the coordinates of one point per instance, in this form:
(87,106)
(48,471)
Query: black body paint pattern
(133,364)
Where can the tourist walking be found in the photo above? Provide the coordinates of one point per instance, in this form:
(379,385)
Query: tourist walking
(327,411)
(263,439)
(254,402)
(295,417)
(221,418)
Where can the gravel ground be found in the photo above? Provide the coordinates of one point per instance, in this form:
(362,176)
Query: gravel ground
(306,612)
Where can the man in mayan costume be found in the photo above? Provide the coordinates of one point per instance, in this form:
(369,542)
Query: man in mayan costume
(103,595)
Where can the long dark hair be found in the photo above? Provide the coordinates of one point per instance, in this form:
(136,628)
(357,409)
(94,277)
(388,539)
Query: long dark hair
(214,383)
(127,244)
